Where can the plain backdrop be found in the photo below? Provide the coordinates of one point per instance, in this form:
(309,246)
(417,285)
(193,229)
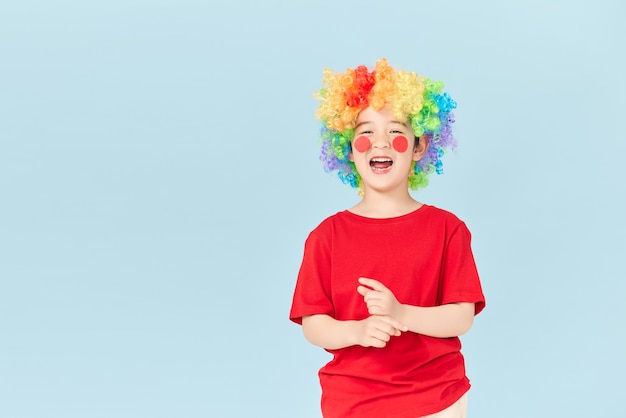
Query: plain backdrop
(159,175)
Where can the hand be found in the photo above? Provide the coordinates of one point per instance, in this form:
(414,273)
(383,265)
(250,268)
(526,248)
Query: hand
(380,300)
(376,331)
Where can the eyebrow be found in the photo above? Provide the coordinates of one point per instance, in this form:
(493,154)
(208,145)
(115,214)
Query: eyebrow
(367,121)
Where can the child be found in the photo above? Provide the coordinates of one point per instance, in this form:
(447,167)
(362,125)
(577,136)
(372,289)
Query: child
(388,285)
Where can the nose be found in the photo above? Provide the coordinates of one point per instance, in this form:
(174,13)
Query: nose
(380,141)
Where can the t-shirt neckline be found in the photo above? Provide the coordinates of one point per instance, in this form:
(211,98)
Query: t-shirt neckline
(366,219)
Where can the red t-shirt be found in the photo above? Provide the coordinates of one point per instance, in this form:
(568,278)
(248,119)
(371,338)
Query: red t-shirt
(425,259)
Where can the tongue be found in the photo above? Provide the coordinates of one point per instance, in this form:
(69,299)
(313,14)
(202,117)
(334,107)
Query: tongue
(380,165)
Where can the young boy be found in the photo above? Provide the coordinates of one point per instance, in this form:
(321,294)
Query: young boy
(388,285)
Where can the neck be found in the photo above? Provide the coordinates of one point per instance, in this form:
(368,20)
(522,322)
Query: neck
(386,204)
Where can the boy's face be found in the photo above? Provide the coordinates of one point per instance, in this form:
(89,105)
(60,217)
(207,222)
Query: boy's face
(384,148)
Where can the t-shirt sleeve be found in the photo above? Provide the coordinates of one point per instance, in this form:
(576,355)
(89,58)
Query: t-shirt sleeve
(459,276)
(312,293)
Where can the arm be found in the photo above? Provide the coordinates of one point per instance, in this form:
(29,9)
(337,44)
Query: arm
(327,332)
(443,321)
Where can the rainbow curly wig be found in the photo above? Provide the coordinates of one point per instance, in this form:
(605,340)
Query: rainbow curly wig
(415,100)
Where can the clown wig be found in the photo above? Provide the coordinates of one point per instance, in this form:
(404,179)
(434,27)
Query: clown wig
(417,101)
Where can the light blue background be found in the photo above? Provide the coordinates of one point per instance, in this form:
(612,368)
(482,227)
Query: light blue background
(159,175)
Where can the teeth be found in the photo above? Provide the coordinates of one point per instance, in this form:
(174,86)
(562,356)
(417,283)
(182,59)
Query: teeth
(381,163)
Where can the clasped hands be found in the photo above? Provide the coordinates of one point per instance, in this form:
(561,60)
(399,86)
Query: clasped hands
(385,312)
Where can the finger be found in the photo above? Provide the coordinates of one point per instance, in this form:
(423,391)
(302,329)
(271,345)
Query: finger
(376,343)
(397,325)
(372,295)
(363,291)
(376,304)
(390,332)
(400,327)
(374,309)
(374,284)
(385,326)
(381,334)
(382,339)
(376,337)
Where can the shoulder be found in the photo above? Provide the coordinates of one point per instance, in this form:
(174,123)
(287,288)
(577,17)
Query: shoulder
(443,219)
(328,225)
(441,214)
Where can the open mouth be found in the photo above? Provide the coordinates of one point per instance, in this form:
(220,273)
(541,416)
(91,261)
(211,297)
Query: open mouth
(381,163)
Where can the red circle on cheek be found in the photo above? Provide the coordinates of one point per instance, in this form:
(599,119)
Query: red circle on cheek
(400,144)
(362,144)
